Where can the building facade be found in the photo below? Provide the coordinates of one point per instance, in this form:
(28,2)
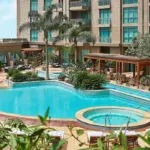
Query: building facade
(114,23)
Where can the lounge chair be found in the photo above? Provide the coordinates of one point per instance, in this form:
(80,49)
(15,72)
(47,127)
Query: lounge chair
(57,134)
(94,135)
(132,137)
(17,132)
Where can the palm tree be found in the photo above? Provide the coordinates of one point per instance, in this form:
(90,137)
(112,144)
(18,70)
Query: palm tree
(44,23)
(74,32)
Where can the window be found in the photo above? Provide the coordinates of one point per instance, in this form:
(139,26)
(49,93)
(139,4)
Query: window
(104,15)
(104,2)
(34,35)
(130,15)
(129,33)
(49,49)
(49,36)
(83,53)
(34,5)
(130,1)
(104,35)
(47,3)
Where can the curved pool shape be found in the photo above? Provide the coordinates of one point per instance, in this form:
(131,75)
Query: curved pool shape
(113,117)
(33,98)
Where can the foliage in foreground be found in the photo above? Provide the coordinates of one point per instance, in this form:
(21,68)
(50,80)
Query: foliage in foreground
(35,137)
(17,76)
(84,80)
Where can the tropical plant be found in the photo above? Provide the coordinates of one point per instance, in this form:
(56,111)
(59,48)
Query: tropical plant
(86,81)
(74,33)
(17,76)
(45,23)
(93,82)
(34,137)
(62,77)
(140,46)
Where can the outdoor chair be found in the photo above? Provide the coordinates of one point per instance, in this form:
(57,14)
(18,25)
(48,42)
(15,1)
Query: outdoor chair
(132,138)
(57,135)
(93,136)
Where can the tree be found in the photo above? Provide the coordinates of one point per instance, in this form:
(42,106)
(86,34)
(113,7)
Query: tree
(140,46)
(74,32)
(45,23)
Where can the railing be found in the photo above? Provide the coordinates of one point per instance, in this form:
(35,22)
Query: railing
(13,40)
(104,2)
(104,21)
(80,3)
(105,39)
(81,20)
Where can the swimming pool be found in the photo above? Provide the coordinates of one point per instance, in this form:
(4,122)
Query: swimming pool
(53,76)
(33,98)
(113,117)
(135,92)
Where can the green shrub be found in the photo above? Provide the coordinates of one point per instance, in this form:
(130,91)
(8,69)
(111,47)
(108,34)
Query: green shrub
(11,72)
(83,80)
(62,77)
(78,77)
(93,82)
(19,77)
(23,77)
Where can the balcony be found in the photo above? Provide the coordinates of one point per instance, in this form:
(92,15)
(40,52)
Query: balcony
(104,2)
(79,5)
(105,39)
(104,21)
(82,20)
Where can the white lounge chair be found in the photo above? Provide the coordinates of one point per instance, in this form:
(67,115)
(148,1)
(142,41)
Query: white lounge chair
(57,134)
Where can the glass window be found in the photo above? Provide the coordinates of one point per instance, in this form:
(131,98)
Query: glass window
(49,49)
(34,35)
(83,53)
(130,15)
(105,35)
(129,33)
(104,2)
(104,15)
(34,5)
(49,36)
(130,1)
(47,3)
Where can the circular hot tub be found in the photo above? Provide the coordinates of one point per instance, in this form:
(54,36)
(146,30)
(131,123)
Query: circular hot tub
(113,117)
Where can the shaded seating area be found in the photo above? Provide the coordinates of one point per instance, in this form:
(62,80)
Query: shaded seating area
(120,62)
(131,136)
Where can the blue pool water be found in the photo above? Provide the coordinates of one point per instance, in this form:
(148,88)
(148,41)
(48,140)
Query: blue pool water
(64,101)
(129,90)
(53,76)
(113,117)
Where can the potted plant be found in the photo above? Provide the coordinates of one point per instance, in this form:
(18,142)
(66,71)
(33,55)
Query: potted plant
(61,77)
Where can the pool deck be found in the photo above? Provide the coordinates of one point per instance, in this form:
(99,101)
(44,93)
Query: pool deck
(60,124)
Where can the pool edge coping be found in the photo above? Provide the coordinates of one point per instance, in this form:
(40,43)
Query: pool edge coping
(80,117)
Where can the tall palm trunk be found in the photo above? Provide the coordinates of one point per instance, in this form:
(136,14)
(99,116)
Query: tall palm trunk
(47,59)
(75,50)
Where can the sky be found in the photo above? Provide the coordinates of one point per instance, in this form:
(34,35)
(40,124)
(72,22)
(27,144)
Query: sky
(8,19)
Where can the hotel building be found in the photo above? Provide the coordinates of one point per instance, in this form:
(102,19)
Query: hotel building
(114,23)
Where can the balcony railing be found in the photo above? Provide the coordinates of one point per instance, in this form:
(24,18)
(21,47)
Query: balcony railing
(105,39)
(79,3)
(104,21)
(82,20)
(104,2)
(13,40)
